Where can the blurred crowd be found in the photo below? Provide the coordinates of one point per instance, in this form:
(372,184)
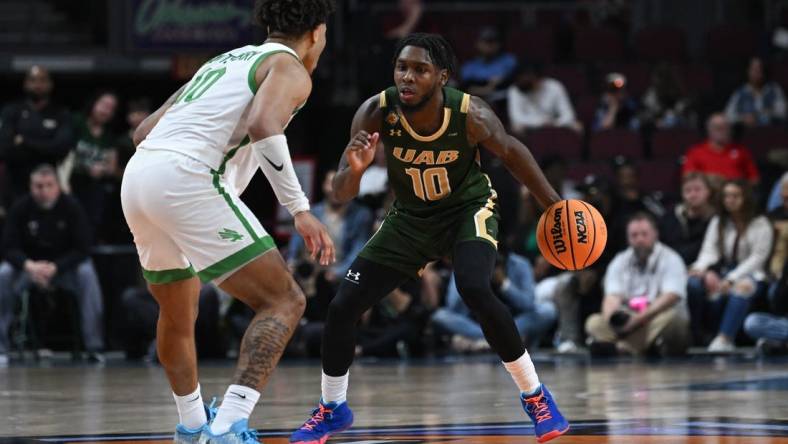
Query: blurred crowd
(695,200)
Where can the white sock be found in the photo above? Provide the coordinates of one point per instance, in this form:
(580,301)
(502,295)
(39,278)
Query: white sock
(191,410)
(237,404)
(334,388)
(524,374)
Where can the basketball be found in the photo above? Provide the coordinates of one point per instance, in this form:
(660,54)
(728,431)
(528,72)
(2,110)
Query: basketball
(571,234)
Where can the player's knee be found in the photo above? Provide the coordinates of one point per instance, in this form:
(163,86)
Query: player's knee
(343,308)
(297,300)
(474,289)
(178,322)
(288,299)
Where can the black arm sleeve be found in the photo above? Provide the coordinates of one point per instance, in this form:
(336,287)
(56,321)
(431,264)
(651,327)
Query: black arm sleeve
(12,237)
(80,236)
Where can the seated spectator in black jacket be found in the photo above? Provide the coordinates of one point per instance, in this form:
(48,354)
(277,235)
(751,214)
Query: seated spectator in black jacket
(683,228)
(141,312)
(628,200)
(46,242)
(33,131)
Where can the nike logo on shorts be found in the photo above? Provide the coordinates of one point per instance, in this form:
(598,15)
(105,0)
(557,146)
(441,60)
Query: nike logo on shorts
(276,167)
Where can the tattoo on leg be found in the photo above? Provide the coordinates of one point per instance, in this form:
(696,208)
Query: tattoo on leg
(263,344)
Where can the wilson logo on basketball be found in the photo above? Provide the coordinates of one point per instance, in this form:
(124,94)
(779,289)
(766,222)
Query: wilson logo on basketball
(571,234)
(557,232)
(582,231)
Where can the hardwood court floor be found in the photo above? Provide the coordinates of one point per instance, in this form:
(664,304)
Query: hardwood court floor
(455,401)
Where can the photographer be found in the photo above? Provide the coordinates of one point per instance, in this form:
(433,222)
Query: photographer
(645,291)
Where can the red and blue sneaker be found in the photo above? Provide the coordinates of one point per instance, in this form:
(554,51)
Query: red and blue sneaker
(548,422)
(328,419)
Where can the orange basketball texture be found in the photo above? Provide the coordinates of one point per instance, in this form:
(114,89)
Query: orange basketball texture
(571,234)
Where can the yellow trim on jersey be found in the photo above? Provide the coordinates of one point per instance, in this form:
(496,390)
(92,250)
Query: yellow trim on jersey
(382,99)
(466,103)
(441,130)
(481,216)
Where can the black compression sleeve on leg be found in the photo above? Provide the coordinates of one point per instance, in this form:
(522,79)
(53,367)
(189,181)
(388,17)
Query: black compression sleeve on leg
(474,264)
(363,286)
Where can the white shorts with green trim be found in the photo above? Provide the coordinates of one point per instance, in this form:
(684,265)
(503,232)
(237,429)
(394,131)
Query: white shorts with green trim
(187,220)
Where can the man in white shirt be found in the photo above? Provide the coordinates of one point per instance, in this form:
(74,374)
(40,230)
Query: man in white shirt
(645,297)
(535,101)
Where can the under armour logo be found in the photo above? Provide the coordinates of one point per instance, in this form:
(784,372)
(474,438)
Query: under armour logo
(352,277)
(394,132)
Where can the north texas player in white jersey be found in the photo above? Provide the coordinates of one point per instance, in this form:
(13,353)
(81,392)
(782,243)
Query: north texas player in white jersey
(180,190)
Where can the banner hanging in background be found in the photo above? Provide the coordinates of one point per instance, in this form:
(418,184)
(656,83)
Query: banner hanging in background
(186,25)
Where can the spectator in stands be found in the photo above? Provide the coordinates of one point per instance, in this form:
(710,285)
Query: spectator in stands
(758,102)
(616,108)
(395,326)
(136,111)
(665,103)
(554,168)
(645,297)
(771,329)
(350,226)
(113,228)
(535,101)
(719,158)
(491,70)
(776,195)
(91,162)
(33,131)
(779,219)
(683,228)
(628,200)
(513,282)
(46,244)
(731,266)
(140,313)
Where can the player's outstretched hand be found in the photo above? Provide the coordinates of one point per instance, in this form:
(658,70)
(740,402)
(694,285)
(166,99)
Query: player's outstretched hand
(360,152)
(316,237)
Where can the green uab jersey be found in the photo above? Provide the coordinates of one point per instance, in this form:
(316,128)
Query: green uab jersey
(442,197)
(432,174)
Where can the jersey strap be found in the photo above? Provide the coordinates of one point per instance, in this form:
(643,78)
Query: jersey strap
(276,48)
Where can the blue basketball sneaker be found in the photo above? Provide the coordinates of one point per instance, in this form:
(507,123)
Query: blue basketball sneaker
(185,435)
(549,423)
(239,433)
(328,419)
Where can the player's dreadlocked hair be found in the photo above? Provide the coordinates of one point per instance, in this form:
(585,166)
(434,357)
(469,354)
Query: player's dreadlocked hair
(292,17)
(439,50)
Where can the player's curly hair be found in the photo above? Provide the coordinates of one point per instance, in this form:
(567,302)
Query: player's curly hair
(440,51)
(292,17)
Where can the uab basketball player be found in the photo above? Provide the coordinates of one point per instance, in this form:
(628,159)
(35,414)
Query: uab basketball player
(180,198)
(444,205)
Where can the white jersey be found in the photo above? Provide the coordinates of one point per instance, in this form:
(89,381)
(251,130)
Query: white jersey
(209,118)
